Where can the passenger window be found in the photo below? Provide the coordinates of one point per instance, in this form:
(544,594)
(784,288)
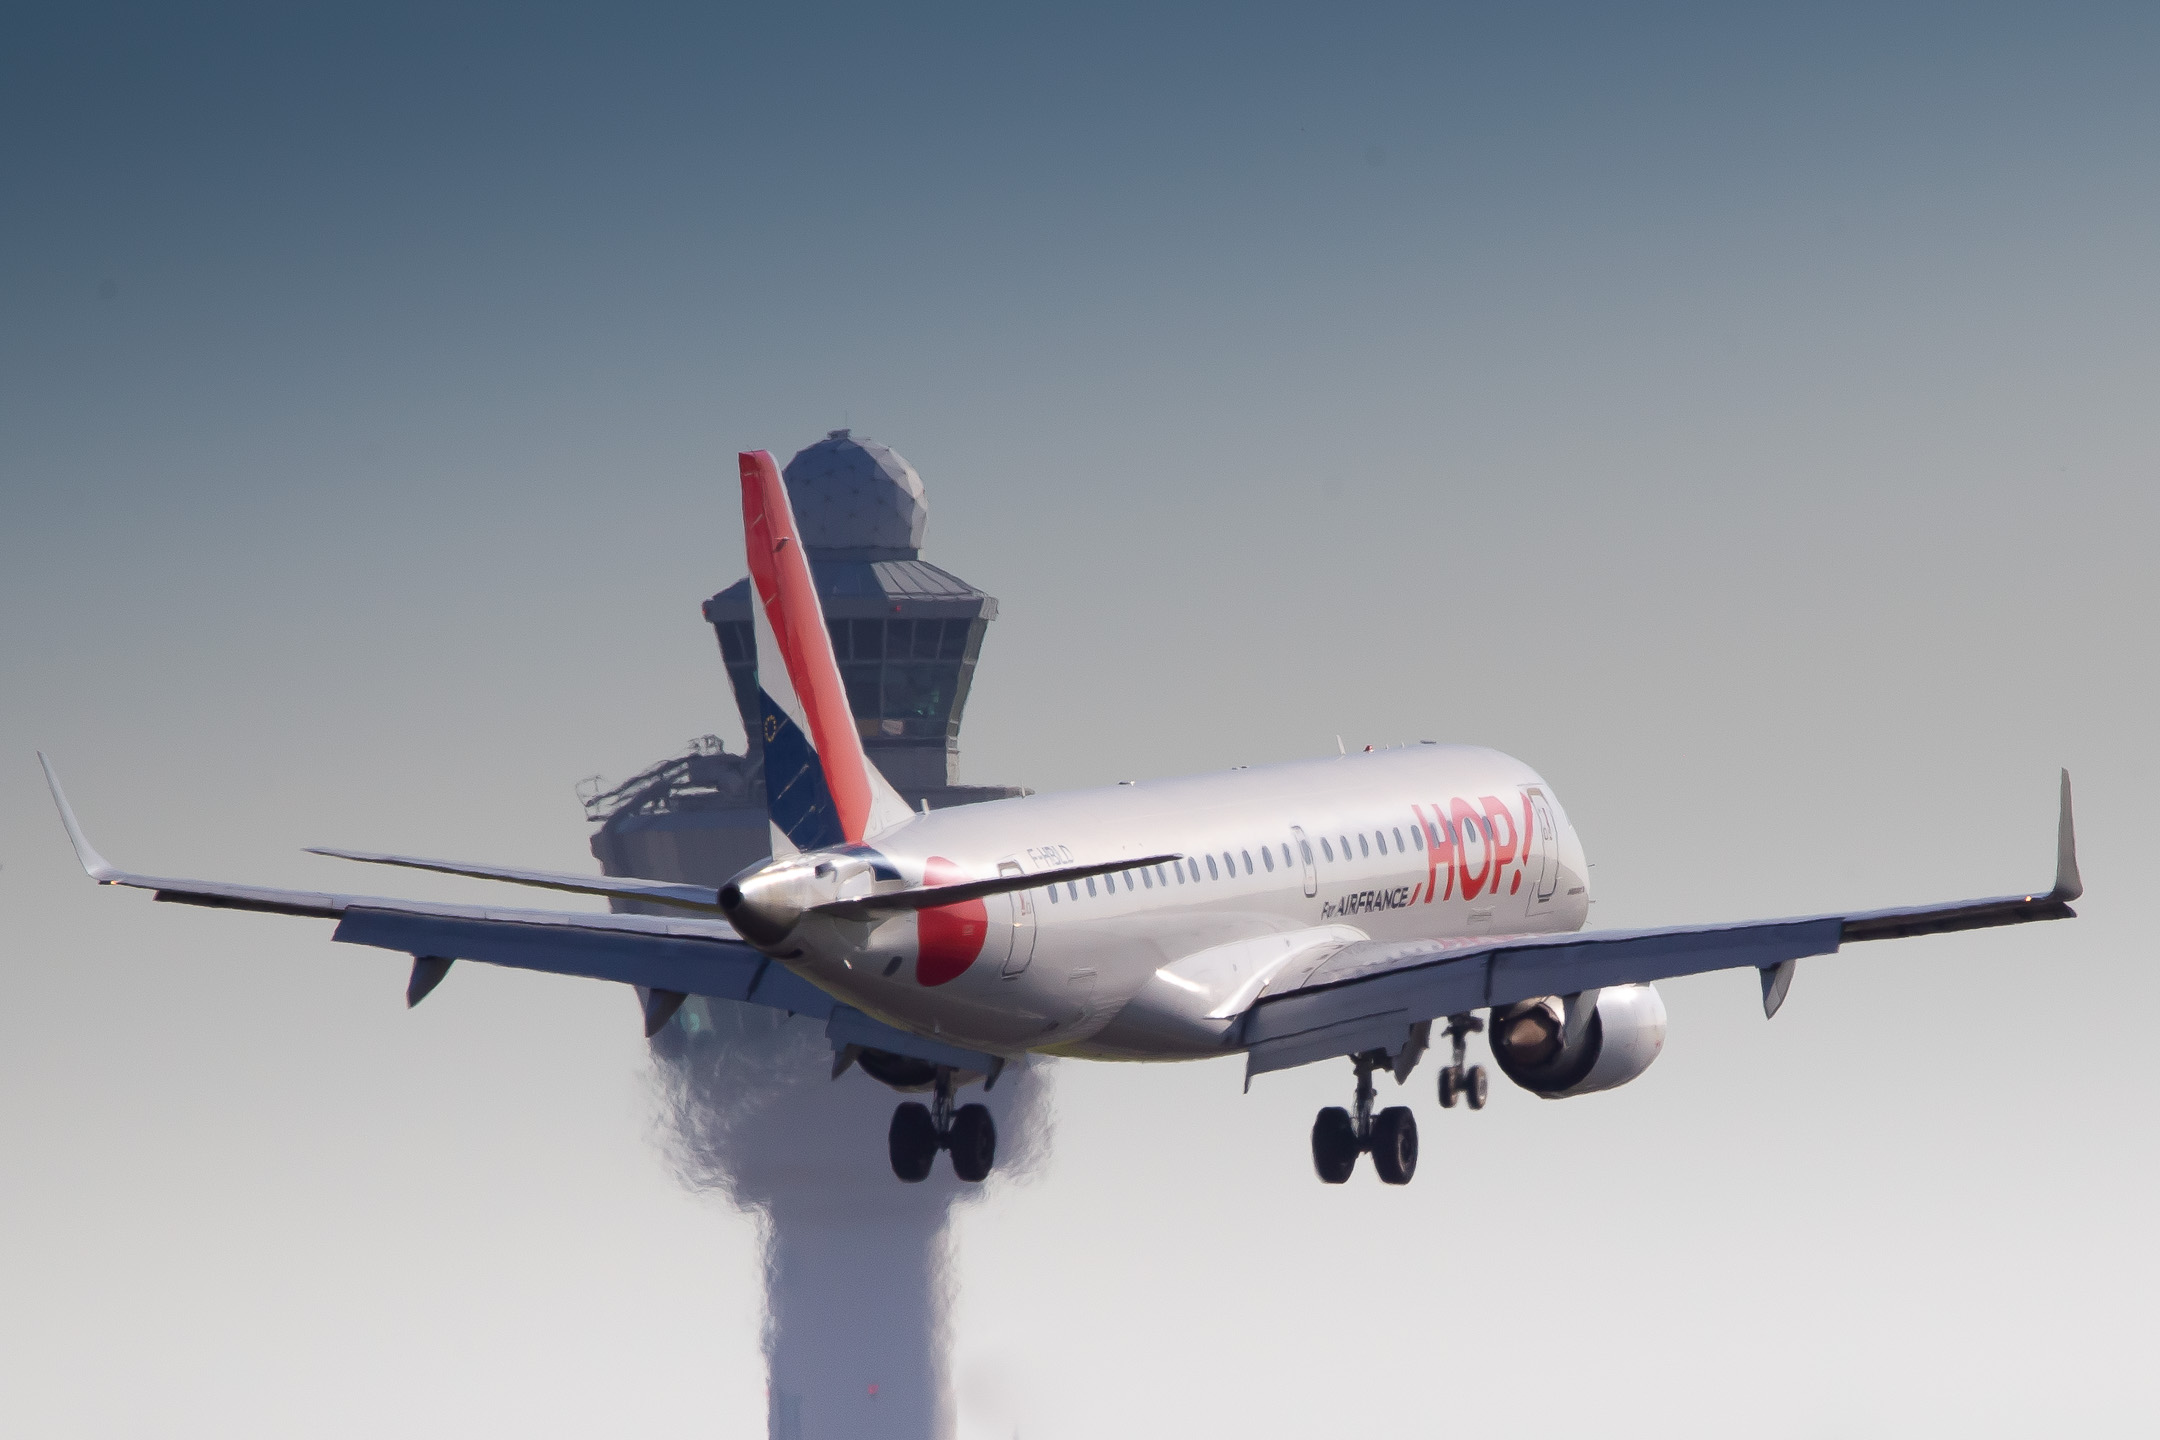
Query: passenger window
(1072,890)
(1091,886)
(1379,842)
(1248,860)
(1345,846)
(1267,858)
(1398,839)
(1326,849)
(1053,894)
(1211,869)
(1128,878)
(1147,880)
(1229,865)
(1305,849)
(1363,848)
(1417,838)
(1162,875)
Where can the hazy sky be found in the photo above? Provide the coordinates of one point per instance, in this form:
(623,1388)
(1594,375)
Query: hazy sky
(1752,421)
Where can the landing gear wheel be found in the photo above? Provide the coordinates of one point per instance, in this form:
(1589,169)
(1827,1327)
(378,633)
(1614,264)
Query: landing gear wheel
(1451,1087)
(1334,1145)
(973,1143)
(1476,1087)
(1394,1145)
(912,1141)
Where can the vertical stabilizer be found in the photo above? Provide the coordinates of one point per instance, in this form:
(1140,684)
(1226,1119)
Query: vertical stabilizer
(820,788)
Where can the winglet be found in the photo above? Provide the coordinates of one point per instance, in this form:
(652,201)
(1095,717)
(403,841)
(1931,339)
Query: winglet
(2067,884)
(93,864)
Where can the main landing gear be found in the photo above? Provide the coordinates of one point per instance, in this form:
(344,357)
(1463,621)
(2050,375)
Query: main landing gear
(919,1131)
(1339,1136)
(1389,1137)
(1457,1083)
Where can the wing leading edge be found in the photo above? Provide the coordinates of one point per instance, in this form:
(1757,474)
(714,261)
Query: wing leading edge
(667,958)
(1367,995)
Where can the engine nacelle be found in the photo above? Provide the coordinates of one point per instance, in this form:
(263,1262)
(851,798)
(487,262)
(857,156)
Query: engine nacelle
(1624,1034)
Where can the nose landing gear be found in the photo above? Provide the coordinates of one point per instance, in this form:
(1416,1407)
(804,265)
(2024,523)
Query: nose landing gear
(1390,1137)
(919,1131)
(1456,1082)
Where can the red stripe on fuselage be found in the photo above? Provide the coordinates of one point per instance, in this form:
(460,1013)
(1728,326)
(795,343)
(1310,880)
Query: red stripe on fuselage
(780,573)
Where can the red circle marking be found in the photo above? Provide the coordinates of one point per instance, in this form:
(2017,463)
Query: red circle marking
(948,938)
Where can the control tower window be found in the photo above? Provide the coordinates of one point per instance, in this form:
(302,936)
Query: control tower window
(915,692)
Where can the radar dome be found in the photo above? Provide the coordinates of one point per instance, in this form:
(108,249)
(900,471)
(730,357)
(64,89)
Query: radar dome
(857,496)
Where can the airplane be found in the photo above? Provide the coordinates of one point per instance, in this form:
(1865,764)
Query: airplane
(1294,913)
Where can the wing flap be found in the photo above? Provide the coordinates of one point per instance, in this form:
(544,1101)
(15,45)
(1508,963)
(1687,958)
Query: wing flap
(726,969)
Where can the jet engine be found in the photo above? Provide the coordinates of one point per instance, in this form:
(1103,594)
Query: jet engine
(1610,1046)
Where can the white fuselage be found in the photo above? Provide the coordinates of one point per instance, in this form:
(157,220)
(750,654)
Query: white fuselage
(1284,865)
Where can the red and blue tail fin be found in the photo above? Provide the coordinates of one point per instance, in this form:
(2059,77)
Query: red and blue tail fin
(820,788)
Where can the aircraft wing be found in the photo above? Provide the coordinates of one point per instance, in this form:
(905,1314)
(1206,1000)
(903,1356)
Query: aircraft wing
(665,957)
(1367,995)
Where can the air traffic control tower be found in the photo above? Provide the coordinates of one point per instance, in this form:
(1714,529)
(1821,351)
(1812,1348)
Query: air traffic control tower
(906,635)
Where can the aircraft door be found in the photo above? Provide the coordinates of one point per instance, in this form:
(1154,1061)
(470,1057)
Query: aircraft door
(1019,927)
(1546,837)
(1304,849)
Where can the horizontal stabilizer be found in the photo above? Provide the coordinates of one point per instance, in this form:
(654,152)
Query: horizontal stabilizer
(615,887)
(930,897)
